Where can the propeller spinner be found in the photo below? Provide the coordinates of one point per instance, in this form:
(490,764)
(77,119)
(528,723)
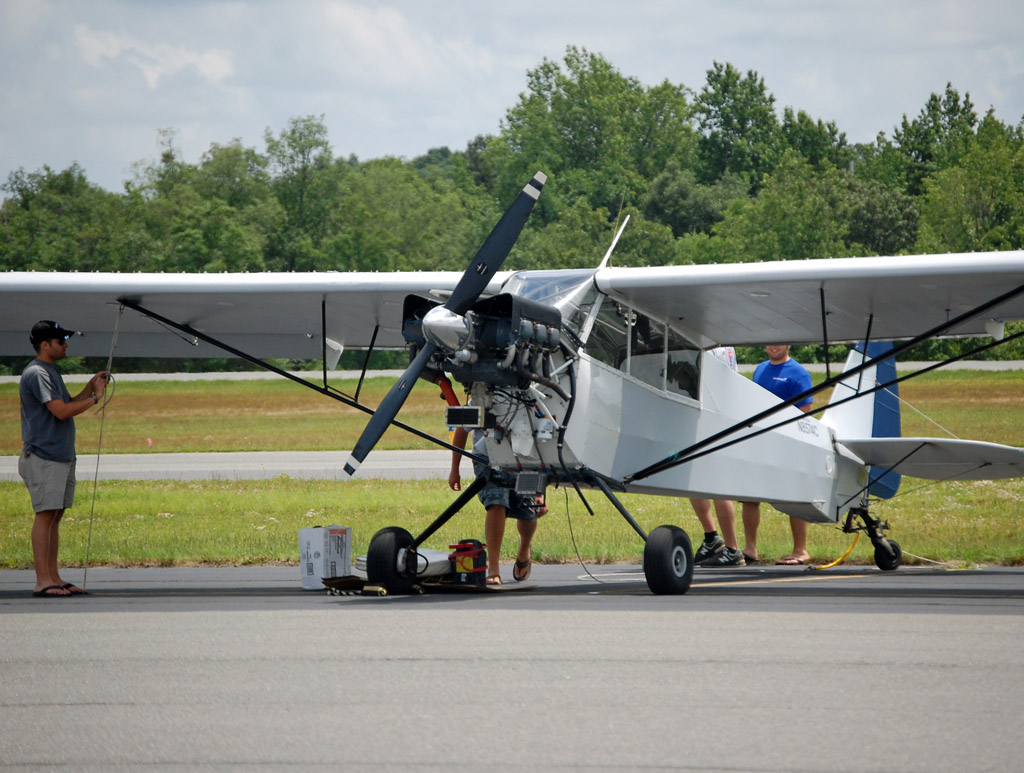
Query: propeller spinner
(481,269)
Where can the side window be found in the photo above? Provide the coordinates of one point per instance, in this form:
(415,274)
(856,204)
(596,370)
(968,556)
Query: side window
(683,373)
(647,351)
(607,339)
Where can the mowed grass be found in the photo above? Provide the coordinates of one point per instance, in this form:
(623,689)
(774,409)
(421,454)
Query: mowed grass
(146,523)
(276,415)
(174,523)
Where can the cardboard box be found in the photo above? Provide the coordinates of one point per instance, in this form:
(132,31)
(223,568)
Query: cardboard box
(324,551)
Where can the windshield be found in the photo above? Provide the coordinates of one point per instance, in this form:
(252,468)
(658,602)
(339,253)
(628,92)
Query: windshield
(571,291)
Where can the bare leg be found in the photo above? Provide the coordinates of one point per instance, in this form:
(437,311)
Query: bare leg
(702,508)
(726,512)
(751,520)
(45,543)
(526,531)
(799,529)
(494,533)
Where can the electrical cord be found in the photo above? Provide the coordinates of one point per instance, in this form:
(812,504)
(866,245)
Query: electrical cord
(102,410)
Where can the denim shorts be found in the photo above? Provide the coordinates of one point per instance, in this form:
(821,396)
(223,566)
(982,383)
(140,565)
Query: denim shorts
(50,484)
(516,506)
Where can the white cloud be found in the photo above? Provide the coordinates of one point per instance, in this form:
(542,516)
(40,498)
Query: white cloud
(95,81)
(155,61)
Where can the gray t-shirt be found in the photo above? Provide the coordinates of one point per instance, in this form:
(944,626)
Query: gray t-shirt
(42,433)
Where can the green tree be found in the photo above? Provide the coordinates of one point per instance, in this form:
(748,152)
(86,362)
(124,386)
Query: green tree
(599,135)
(819,142)
(213,217)
(800,213)
(739,130)
(978,204)
(306,183)
(234,174)
(389,218)
(884,220)
(937,139)
(679,201)
(59,221)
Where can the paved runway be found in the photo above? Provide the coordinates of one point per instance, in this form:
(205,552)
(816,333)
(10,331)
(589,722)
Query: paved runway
(762,668)
(392,465)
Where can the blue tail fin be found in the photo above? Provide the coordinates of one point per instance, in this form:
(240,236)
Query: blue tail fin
(874,416)
(886,420)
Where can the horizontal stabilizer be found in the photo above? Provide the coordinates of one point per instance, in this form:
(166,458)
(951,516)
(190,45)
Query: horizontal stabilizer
(940,458)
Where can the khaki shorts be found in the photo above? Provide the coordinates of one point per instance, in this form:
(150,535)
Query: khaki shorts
(50,484)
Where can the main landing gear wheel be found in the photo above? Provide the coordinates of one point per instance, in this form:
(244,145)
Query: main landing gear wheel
(668,561)
(382,560)
(888,561)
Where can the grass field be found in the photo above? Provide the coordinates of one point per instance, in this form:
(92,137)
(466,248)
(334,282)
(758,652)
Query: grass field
(164,523)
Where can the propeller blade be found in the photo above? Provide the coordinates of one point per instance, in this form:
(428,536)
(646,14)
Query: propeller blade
(487,261)
(387,410)
(495,248)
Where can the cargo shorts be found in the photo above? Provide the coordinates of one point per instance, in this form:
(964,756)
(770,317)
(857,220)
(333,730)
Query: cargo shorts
(50,484)
(516,506)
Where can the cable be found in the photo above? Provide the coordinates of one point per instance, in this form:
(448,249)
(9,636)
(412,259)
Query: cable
(841,558)
(572,535)
(99,449)
(922,414)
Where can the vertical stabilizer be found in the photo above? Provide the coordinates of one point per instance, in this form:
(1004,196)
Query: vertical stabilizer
(875,415)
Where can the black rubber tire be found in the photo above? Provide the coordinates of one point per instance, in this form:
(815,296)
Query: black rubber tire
(668,561)
(382,561)
(886,561)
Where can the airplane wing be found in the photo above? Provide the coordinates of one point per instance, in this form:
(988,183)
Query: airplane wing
(940,458)
(279,315)
(781,302)
(266,315)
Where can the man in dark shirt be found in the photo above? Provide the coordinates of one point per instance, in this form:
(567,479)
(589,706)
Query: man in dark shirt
(47,462)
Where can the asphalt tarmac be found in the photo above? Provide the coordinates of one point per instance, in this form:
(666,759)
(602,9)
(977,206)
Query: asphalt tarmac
(763,668)
(250,465)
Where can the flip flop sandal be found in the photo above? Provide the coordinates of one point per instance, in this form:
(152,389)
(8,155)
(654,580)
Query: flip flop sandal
(46,593)
(521,571)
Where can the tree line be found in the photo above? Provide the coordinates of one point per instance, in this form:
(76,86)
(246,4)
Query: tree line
(709,175)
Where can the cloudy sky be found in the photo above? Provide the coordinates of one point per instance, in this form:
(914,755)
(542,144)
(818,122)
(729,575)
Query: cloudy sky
(93,81)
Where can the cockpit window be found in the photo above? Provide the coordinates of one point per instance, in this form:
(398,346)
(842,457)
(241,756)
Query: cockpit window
(571,291)
(607,339)
(682,374)
(644,348)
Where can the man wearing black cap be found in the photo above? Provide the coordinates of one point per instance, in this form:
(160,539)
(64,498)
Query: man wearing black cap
(47,463)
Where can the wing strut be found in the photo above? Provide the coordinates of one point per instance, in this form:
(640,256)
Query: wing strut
(824,334)
(324,390)
(688,454)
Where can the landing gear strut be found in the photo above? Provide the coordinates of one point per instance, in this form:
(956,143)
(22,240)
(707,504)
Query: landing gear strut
(668,554)
(392,560)
(888,554)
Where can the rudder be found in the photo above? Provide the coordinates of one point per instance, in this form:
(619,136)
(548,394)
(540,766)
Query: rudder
(877,417)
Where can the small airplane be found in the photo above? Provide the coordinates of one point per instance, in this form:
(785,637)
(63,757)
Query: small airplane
(600,379)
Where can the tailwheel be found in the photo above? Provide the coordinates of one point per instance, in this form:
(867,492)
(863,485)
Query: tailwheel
(668,561)
(888,555)
(391,560)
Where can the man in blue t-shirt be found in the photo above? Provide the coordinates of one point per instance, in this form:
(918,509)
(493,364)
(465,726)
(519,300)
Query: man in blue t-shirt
(784,378)
(47,462)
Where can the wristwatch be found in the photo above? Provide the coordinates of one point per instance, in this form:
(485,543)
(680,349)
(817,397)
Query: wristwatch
(95,399)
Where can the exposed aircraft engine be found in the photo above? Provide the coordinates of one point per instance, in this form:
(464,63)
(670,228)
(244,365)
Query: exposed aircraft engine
(508,342)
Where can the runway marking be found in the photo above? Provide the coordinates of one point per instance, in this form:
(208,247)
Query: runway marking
(618,577)
(804,578)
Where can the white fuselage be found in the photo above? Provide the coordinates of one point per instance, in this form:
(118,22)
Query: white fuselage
(620,425)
